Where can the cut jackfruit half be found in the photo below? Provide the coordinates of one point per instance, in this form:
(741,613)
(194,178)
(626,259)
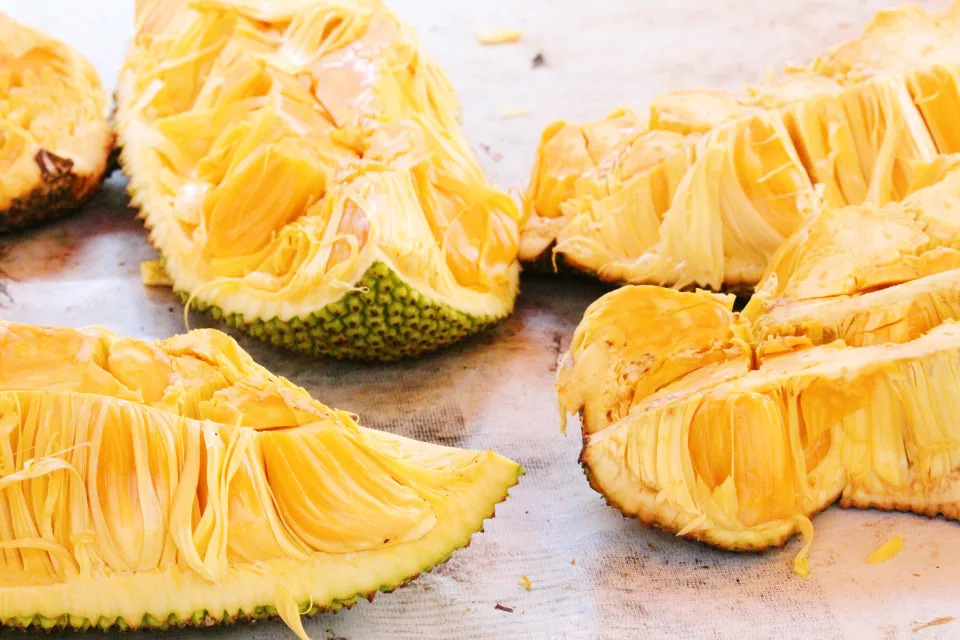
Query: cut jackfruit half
(54,137)
(303,174)
(738,444)
(178,482)
(867,274)
(705,188)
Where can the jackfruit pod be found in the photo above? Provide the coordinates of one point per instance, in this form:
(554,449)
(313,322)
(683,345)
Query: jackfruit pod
(618,359)
(868,274)
(574,161)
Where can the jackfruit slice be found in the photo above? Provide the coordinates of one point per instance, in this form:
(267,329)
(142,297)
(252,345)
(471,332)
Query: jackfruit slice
(178,482)
(740,454)
(743,171)
(54,137)
(869,275)
(303,174)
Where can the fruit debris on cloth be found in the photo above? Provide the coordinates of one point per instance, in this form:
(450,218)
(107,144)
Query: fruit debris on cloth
(886,551)
(498,36)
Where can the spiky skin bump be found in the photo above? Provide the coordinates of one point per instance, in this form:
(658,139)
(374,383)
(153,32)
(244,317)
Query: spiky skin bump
(199,619)
(61,191)
(384,320)
(205,618)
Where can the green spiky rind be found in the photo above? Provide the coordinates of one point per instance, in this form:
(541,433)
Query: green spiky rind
(384,319)
(202,618)
(60,192)
(206,618)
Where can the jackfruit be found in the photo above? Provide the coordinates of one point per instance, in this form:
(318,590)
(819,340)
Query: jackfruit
(303,175)
(179,483)
(705,188)
(867,274)
(54,137)
(690,427)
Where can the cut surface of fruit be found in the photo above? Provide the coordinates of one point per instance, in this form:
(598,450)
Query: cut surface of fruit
(704,189)
(54,136)
(302,172)
(178,482)
(867,274)
(750,440)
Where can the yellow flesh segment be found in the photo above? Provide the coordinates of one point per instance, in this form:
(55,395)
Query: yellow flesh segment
(119,456)
(868,274)
(618,366)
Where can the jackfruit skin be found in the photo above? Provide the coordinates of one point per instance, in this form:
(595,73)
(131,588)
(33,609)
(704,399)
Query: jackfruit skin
(61,191)
(205,618)
(384,320)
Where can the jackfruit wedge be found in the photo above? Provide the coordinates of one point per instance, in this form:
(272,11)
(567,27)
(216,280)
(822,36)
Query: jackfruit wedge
(867,274)
(303,175)
(738,446)
(54,137)
(178,482)
(705,188)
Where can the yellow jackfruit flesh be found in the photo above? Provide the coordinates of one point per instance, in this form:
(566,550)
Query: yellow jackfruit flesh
(54,137)
(690,427)
(302,172)
(178,482)
(741,172)
(867,274)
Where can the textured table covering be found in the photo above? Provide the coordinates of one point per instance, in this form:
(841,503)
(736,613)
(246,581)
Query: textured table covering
(594,574)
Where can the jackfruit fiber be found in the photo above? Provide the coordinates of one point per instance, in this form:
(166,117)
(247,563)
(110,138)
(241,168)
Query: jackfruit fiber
(177,483)
(692,426)
(705,188)
(303,175)
(54,137)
